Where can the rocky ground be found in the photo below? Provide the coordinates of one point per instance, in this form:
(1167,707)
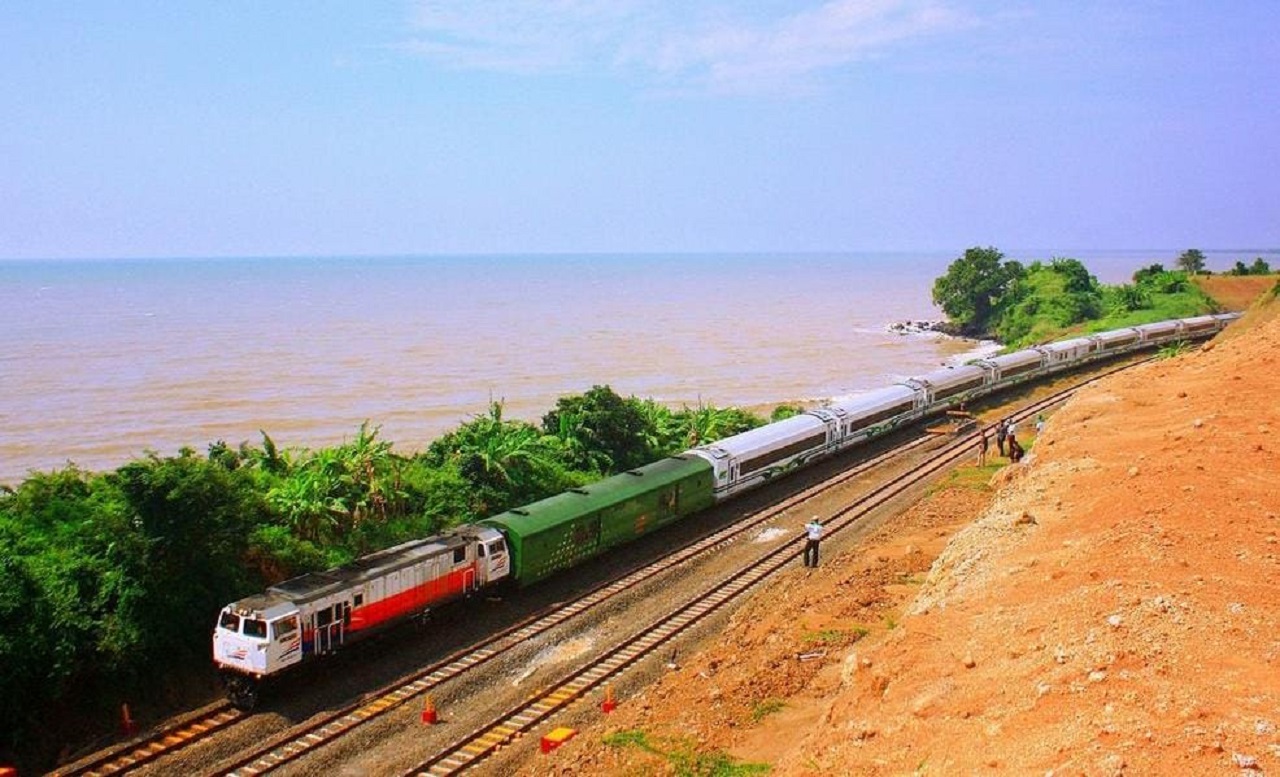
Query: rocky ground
(1108,606)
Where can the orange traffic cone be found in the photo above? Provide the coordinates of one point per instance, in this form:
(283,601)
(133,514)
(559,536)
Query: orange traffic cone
(127,725)
(429,715)
(609,704)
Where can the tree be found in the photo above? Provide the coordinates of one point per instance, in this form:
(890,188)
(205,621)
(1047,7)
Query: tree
(708,423)
(783,412)
(1192,261)
(1259,267)
(1045,298)
(1147,273)
(1128,298)
(973,287)
(600,427)
(507,463)
(193,518)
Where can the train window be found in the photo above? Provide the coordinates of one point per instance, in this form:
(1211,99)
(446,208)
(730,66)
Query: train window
(285,627)
(255,628)
(357,600)
(229,621)
(480,550)
(459,555)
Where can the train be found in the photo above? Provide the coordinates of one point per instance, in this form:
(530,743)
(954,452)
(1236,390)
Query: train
(307,617)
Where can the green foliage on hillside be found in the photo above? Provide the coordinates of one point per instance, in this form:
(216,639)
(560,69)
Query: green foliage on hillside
(1258,267)
(1046,299)
(1044,302)
(973,287)
(110,582)
(1156,294)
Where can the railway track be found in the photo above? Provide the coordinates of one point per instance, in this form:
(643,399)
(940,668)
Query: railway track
(304,739)
(329,728)
(470,750)
(136,754)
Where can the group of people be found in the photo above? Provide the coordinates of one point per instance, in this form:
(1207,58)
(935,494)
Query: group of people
(1006,440)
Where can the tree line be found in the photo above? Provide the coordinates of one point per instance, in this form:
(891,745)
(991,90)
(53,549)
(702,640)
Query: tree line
(986,295)
(110,582)
(1193,261)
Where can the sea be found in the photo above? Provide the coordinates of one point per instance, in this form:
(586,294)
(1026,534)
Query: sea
(103,361)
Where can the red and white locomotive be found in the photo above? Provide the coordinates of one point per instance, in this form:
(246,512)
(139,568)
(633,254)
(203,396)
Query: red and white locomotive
(319,612)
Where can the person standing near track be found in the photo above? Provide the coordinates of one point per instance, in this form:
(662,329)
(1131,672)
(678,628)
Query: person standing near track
(813,533)
(1001,432)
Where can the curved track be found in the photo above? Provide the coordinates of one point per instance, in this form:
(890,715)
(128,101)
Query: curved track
(334,725)
(468,751)
(331,726)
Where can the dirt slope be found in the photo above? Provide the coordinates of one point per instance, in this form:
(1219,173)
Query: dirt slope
(1235,292)
(1110,606)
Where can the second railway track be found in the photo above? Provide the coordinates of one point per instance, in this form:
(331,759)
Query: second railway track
(329,727)
(470,750)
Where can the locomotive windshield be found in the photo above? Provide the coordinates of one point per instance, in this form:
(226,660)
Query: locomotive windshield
(255,628)
(285,627)
(229,621)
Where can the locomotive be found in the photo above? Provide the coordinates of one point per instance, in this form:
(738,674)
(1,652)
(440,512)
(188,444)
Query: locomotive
(320,612)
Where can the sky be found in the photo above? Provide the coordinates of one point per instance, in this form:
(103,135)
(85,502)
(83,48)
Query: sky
(233,128)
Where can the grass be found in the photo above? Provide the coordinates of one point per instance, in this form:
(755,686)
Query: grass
(1173,349)
(834,636)
(683,756)
(973,478)
(1163,307)
(765,708)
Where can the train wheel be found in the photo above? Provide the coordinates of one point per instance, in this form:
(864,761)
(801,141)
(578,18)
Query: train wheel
(241,691)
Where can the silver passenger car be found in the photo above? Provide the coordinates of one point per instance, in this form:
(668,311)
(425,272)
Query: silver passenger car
(1159,332)
(875,412)
(953,385)
(1015,366)
(748,459)
(1065,353)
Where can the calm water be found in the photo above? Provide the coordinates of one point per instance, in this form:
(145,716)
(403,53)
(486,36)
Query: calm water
(103,360)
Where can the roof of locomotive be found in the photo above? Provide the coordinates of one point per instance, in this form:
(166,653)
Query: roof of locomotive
(552,511)
(316,585)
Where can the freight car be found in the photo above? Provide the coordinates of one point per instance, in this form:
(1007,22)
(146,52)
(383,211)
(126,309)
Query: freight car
(315,614)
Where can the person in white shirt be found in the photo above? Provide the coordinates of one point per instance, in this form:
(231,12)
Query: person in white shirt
(813,533)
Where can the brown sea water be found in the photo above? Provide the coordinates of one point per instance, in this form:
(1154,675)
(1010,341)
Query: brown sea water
(104,360)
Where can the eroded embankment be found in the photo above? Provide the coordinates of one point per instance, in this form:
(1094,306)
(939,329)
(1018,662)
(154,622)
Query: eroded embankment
(1113,610)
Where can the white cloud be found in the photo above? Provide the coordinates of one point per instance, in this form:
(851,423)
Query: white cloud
(688,45)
